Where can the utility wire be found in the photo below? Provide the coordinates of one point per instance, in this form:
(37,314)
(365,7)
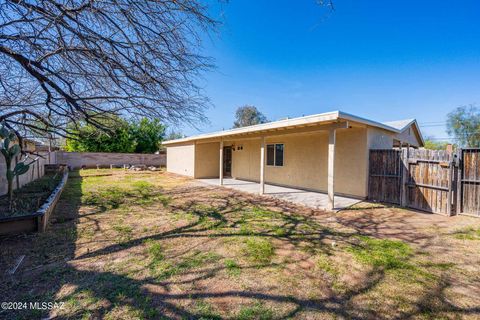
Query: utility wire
(433,125)
(432,122)
(449,138)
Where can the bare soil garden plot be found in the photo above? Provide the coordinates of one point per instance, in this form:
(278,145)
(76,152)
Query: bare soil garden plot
(149,245)
(30,197)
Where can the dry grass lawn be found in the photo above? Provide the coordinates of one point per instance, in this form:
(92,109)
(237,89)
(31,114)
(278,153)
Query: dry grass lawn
(149,245)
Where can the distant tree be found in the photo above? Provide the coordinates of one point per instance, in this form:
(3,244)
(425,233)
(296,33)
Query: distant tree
(147,135)
(464,124)
(89,138)
(248,116)
(435,145)
(144,136)
(172,135)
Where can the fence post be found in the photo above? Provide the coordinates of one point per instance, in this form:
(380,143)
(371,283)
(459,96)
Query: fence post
(459,181)
(404,177)
(450,185)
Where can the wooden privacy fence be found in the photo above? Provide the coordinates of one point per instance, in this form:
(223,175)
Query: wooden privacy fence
(429,180)
(385,180)
(469,182)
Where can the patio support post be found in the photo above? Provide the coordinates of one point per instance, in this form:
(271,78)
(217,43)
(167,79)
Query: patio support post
(221,163)
(262,165)
(331,169)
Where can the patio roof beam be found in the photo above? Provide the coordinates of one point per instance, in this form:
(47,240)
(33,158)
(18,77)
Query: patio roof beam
(221,163)
(273,133)
(332,134)
(262,165)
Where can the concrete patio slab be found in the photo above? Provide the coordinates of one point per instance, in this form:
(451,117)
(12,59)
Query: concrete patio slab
(310,199)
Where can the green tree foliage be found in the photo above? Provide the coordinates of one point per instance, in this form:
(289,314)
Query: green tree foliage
(435,145)
(464,124)
(248,116)
(144,136)
(172,135)
(148,134)
(88,138)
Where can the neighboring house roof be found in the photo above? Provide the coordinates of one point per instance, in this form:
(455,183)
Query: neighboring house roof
(300,121)
(28,140)
(34,142)
(402,125)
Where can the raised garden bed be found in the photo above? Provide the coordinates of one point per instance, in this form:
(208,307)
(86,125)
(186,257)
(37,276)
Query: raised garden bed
(32,204)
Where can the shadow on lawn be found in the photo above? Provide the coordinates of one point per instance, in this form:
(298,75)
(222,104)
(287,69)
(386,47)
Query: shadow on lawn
(110,290)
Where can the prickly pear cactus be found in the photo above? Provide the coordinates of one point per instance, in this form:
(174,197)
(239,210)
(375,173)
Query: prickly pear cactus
(8,137)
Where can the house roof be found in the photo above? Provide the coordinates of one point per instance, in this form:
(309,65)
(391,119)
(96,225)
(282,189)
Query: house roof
(400,124)
(393,126)
(29,140)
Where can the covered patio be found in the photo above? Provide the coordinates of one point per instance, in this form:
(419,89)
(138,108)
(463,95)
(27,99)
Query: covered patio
(321,161)
(310,199)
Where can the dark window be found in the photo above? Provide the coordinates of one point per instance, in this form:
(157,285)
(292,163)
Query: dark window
(275,154)
(270,154)
(279,155)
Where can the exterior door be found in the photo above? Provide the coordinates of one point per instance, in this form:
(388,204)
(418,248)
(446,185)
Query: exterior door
(227,161)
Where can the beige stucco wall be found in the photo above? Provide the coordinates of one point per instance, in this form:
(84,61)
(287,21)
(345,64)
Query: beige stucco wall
(409,136)
(382,139)
(181,159)
(246,162)
(351,162)
(207,160)
(379,138)
(305,161)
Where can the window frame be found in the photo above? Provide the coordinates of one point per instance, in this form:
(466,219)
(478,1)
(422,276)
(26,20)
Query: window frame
(274,154)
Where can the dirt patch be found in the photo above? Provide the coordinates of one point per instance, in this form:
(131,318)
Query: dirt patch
(28,199)
(147,245)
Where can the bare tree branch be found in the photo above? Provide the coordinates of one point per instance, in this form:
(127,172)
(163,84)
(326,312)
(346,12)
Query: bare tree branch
(64,61)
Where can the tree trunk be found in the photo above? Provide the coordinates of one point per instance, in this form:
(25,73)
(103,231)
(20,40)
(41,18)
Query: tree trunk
(10,190)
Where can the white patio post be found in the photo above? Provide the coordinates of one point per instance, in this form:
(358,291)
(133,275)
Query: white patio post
(262,165)
(331,168)
(221,163)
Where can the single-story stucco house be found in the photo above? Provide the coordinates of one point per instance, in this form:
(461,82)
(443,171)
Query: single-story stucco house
(326,153)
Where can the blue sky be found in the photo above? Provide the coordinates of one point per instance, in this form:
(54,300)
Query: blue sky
(384,60)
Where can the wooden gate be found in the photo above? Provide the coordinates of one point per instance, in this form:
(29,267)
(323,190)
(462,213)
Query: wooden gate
(469,188)
(429,183)
(385,176)
(418,179)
